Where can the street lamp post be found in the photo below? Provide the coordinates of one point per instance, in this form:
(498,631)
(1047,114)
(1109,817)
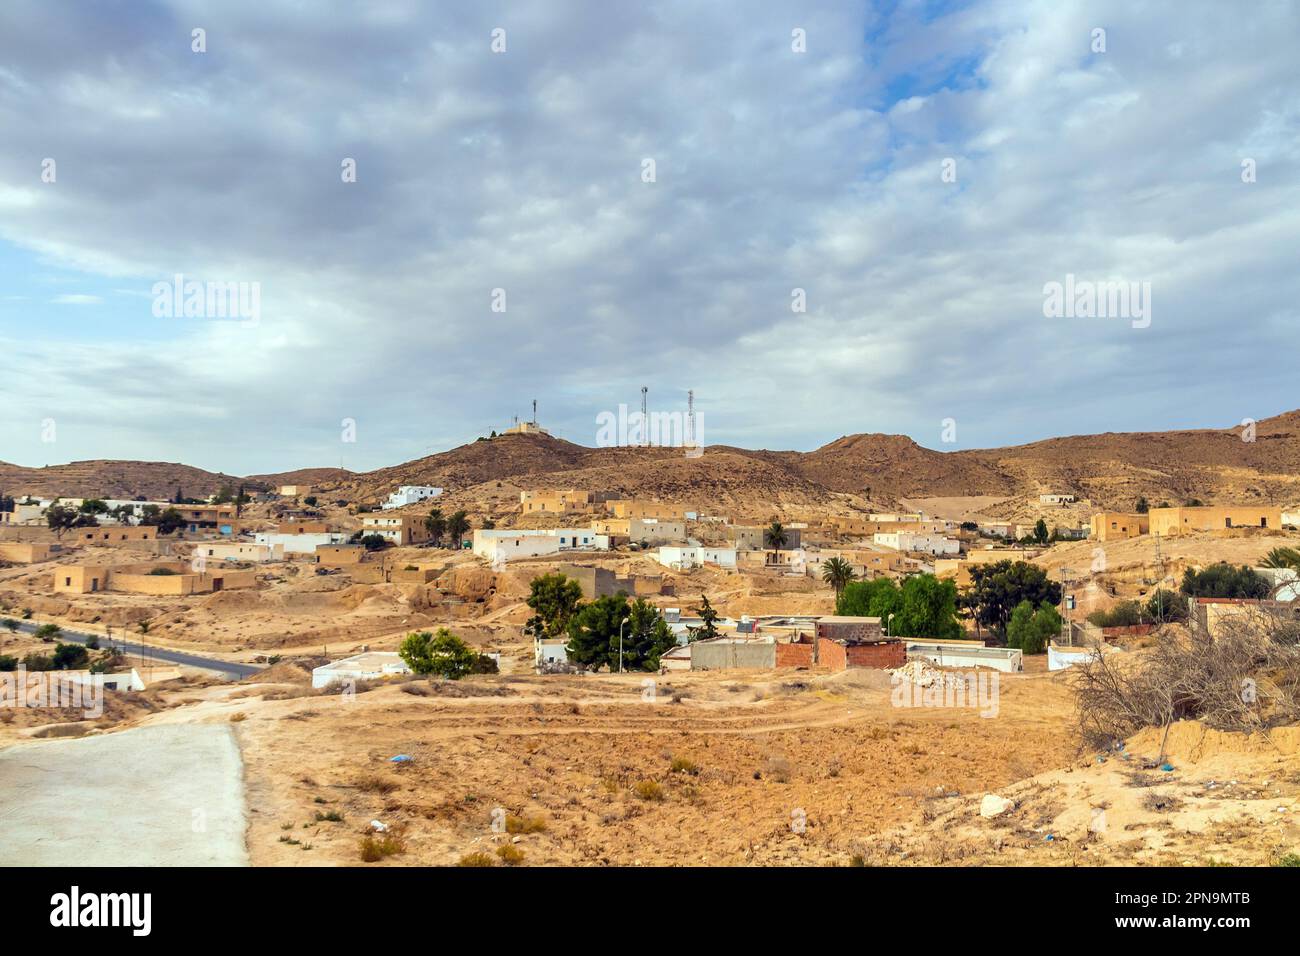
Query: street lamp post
(620,644)
(888,618)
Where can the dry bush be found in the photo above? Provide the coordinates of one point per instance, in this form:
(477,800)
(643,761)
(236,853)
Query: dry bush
(376,847)
(374,783)
(1245,679)
(684,765)
(510,855)
(516,824)
(476,859)
(649,790)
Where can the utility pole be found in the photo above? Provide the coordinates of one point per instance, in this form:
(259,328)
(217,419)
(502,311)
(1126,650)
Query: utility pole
(1065,602)
(645,417)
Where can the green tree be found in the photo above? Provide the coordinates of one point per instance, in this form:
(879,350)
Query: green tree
(775,537)
(170,520)
(9,624)
(374,542)
(593,632)
(878,597)
(554,600)
(457,525)
(996,589)
(837,572)
(1282,558)
(1030,629)
(646,637)
(1040,531)
(310,501)
(1142,507)
(488,524)
(61,518)
(441,655)
(1222,580)
(8,662)
(47,632)
(1167,606)
(928,608)
(708,627)
(436,525)
(93,506)
(70,657)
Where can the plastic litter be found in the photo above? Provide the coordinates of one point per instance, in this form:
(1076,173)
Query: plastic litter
(400,758)
(1167,767)
(376,825)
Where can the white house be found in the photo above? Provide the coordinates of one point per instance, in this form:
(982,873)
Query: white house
(1053,499)
(691,556)
(910,541)
(240,551)
(299,543)
(505,544)
(410,495)
(371,665)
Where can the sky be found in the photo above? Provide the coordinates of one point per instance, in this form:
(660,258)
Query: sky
(822,218)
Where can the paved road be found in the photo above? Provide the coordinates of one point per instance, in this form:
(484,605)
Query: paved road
(152,796)
(135,649)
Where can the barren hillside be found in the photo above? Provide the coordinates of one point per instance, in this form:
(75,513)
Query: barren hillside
(1112,470)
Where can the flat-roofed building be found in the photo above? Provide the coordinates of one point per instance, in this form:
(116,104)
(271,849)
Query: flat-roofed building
(399,529)
(1173,521)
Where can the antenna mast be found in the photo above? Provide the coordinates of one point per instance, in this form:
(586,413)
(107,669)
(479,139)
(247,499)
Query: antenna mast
(645,418)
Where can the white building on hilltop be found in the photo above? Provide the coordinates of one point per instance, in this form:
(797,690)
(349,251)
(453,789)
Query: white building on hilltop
(410,495)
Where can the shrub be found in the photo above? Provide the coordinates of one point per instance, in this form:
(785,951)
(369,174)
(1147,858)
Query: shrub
(442,654)
(162,572)
(1222,580)
(374,783)
(8,662)
(376,847)
(684,765)
(476,859)
(332,817)
(47,632)
(510,854)
(516,824)
(1123,614)
(70,657)
(649,790)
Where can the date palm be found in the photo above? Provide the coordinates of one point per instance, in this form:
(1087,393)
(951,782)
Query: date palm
(837,573)
(775,537)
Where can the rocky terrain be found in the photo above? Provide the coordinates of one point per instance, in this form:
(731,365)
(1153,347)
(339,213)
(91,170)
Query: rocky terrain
(850,473)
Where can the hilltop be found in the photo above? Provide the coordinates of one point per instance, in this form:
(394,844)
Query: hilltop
(850,473)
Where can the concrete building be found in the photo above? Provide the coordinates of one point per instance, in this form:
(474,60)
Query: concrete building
(1291,519)
(410,495)
(509,544)
(339,555)
(554,502)
(1172,521)
(114,535)
(401,530)
(753,538)
(1118,525)
(220,518)
(917,543)
(694,556)
(636,508)
(162,579)
(24,513)
(731,653)
(240,551)
(1055,499)
(372,665)
(293,491)
(598,582)
(967,654)
(28,552)
(299,543)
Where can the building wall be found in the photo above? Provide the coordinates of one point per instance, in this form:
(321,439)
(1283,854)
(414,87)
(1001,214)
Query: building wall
(240,552)
(888,654)
(830,654)
(80,579)
(112,534)
(24,553)
(751,538)
(1119,525)
(1184,520)
(339,555)
(298,543)
(708,655)
(789,654)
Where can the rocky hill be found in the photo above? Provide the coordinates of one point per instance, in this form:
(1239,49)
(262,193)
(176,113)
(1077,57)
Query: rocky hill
(851,472)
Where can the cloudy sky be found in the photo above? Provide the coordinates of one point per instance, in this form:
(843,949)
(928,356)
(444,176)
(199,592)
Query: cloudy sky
(919,169)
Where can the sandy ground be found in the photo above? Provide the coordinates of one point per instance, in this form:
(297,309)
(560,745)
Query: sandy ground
(158,796)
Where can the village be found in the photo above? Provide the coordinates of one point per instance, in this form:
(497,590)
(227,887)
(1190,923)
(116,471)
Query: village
(246,602)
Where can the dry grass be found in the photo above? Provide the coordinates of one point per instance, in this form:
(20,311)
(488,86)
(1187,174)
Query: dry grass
(377,847)
(648,790)
(510,854)
(478,858)
(516,824)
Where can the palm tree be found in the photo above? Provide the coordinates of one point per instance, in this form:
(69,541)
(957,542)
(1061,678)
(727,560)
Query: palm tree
(775,537)
(837,572)
(1282,558)
(457,525)
(436,525)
